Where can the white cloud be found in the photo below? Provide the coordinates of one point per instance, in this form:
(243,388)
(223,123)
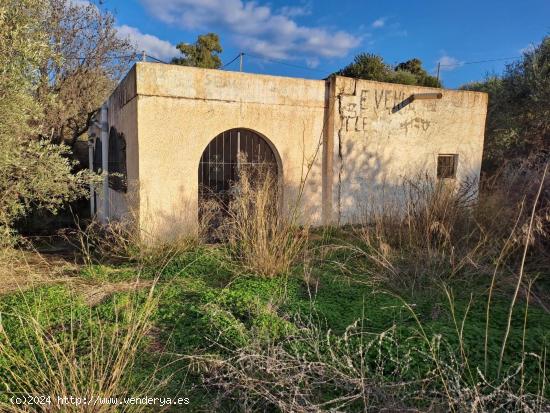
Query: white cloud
(295,11)
(255,27)
(449,63)
(312,62)
(152,45)
(379,23)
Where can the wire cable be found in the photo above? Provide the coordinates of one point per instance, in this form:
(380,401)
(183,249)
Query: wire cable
(155,59)
(236,57)
(281,62)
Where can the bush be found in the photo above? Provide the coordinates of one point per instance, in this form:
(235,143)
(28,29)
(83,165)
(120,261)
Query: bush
(518,121)
(33,174)
(318,371)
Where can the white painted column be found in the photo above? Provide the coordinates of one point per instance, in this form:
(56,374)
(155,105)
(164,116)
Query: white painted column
(91,169)
(105,162)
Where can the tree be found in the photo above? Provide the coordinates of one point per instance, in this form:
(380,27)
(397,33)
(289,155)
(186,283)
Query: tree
(33,172)
(367,66)
(403,77)
(204,53)
(414,66)
(22,48)
(518,119)
(372,67)
(91,57)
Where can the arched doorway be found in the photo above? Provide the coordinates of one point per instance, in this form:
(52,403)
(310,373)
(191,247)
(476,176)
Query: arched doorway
(224,157)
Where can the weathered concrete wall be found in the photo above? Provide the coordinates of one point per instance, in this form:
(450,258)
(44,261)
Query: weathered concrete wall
(122,114)
(181,109)
(379,139)
(354,140)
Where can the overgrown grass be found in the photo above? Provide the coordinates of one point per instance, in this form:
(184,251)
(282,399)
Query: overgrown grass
(52,345)
(432,310)
(232,331)
(215,330)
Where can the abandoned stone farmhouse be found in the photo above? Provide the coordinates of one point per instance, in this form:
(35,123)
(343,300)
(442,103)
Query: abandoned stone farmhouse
(169,131)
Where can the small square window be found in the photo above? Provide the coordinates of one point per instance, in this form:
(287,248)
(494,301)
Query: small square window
(446,166)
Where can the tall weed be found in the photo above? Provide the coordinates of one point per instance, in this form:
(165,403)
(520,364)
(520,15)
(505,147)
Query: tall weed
(260,234)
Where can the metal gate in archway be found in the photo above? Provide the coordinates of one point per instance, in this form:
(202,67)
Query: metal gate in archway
(224,158)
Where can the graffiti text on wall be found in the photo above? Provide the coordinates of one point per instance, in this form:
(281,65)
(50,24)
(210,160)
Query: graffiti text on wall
(354,108)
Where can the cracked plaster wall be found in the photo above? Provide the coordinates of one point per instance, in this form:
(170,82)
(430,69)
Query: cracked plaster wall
(354,140)
(380,139)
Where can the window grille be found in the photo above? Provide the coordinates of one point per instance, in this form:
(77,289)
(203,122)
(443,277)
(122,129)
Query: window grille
(446,166)
(117,161)
(226,155)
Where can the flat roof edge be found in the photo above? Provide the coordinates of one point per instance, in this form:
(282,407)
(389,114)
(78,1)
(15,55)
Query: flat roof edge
(132,75)
(231,72)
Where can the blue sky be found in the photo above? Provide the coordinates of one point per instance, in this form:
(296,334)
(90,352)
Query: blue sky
(323,36)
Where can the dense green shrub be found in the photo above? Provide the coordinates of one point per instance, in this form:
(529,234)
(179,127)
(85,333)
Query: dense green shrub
(518,121)
(372,67)
(32,173)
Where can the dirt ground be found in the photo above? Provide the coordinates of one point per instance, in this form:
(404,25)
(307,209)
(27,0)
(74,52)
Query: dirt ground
(22,270)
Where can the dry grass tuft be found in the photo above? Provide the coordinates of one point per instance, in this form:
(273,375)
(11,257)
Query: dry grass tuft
(317,371)
(434,232)
(124,242)
(260,235)
(423,236)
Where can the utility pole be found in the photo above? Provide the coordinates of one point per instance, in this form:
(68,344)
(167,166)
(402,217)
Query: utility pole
(241,61)
(143,56)
(438,67)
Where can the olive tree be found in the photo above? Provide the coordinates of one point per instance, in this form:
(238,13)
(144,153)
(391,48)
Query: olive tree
(518,119)
(33,172)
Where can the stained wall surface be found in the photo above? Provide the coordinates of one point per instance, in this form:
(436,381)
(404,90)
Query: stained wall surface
(380,140)
(180,110)
(339,142)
